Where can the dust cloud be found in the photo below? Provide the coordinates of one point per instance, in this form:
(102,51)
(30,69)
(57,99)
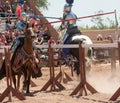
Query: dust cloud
(105,80)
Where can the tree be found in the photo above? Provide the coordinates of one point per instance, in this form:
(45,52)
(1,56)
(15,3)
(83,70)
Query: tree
(98,21)
(42,4)
(111,23)
(105,23)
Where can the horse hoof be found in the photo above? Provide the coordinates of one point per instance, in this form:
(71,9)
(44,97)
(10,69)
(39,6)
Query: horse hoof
(28,94)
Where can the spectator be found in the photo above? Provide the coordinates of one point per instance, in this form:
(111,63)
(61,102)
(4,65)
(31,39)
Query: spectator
(36,27)
(31,13)
(3,39)
(14,24)
(99,37)
(105,37)
(42,31)
(2,11)
(110,38)
(8,8)
(2,3)
(18,11)
(21,2)
(14,6)
(0,21)
(8,23)
(40,39)
(25,5)
(9,37)
(51,41)
(32,21)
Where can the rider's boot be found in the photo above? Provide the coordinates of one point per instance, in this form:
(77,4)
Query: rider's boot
(14,46)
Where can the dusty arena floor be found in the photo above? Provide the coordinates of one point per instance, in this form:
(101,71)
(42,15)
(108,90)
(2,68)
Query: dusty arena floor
(101,77)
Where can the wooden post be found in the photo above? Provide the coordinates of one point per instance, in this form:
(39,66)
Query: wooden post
(52,81)
(33,84)
(117,93)
(119,52)
(9,90)
(83,85)
(113,60)
(59,76)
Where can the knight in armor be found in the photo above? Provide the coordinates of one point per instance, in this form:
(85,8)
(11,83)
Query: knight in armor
(70,24)
(20,27)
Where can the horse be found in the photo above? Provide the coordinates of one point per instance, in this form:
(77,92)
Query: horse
(24,62)
(80,38)
(73,58)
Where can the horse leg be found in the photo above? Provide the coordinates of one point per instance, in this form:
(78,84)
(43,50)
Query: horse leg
(77,69)
(14,81)
(25,79)
(18,82)
(28,82)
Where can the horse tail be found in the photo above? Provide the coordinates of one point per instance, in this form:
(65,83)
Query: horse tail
(90,52)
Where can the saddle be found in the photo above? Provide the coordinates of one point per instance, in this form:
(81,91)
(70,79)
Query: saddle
(72,32)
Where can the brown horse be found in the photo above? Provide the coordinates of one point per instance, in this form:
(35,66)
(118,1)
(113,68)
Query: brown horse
(24,61)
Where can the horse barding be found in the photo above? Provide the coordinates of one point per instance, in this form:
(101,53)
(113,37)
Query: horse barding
(73,57)
(24,61)
(83,39)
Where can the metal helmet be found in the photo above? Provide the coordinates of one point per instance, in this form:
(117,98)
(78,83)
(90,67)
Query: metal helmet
(67,6)
(69,1)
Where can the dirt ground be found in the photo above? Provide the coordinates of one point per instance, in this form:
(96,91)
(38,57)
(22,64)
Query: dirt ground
(101,77)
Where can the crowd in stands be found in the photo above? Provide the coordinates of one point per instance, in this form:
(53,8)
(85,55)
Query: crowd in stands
(14,27)
(101,38)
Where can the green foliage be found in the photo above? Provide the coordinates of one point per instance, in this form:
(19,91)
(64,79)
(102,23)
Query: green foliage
(42,4)
(101,23)
(98,21)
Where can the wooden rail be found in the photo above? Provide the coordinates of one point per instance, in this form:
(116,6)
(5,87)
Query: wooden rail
(53,81)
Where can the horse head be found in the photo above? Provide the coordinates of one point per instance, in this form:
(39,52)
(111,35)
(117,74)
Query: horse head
(29,37)
(28,31)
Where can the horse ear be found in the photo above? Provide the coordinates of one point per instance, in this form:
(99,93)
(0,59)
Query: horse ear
(26,27)
(27,24)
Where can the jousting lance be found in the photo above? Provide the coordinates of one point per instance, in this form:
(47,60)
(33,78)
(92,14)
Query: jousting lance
(107,13)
